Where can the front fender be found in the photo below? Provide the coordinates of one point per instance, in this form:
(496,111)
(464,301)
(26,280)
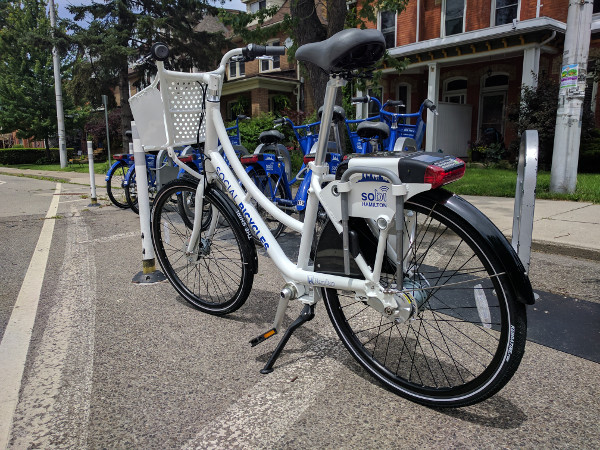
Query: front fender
(113,167)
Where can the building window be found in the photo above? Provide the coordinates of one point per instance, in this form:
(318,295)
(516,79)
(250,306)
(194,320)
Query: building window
(372,108)
(237,69)
(492,107)
(273,63)
(596,8)
(505,11)
(387,26)
(453,12)
(404,96)
(256,6)
(455,90)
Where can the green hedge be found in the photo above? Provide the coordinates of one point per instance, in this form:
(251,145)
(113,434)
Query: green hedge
(10,156)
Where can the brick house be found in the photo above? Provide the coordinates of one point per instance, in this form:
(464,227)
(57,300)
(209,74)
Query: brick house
(262,85)
(471,58)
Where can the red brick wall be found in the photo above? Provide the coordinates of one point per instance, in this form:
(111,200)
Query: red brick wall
(259,101)
(477,14)
(557,9)
(431,19)
(406,25)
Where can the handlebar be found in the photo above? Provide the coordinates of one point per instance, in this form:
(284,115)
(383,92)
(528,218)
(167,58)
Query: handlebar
(160,51)
(364,99)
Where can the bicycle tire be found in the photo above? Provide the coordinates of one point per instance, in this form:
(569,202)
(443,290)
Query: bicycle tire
(272,187)
(469,336)
(218,278)
(114,186)
(131,191)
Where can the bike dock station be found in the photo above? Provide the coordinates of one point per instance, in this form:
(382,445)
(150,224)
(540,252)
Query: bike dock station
(149,273)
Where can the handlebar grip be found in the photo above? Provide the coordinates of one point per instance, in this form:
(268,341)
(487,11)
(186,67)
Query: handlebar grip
(253,51)
(274,50)
(242,117)
(160,51)
(430,105)
(399,103)
(364,99)
(279,121)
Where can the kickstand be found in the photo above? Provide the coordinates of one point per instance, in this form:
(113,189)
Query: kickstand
(308,312)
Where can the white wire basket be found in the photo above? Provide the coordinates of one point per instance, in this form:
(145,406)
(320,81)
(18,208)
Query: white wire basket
(169,116)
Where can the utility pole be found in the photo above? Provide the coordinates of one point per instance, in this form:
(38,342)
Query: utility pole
(60,116)
(565,157)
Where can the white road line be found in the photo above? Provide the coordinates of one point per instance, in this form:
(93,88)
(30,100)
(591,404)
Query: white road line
(114,237)
(15,342)
(54,405)
(266,411)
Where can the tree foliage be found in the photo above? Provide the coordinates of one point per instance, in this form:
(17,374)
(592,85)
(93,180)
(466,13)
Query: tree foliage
(536,110)
(27,100)
(304,25)
(121,32)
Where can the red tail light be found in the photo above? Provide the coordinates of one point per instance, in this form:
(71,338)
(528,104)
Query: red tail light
(186,159)
(308,158)
(249,159)
(438,176)
(120,156)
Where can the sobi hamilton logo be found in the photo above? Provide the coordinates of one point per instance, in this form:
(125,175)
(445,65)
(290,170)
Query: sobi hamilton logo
(377,198)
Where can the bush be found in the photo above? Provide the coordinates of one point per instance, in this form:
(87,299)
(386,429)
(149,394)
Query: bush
(589,153)
(537,111)
(11,156)
(487,153)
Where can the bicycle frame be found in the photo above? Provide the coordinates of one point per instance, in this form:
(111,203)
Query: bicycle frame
(301,275)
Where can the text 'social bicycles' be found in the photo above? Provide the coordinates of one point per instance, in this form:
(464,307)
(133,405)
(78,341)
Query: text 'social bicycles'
(422,289)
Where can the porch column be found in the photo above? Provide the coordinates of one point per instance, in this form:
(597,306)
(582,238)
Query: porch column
(531,67)
(433,89)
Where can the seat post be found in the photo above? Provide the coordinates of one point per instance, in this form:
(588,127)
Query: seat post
(333,84)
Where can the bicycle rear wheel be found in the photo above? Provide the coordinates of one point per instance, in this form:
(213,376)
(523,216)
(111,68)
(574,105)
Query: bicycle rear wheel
(468,337)
(114,185)
(217,277)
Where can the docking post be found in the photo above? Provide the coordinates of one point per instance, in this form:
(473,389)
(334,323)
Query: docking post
(525,196)
(90,152)
(149,274)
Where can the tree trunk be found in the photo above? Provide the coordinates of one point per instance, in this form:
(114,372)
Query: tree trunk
(126,116)
(47,145)
(310,29)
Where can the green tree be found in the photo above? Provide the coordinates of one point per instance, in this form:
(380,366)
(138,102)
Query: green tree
(27,100)
(120,32)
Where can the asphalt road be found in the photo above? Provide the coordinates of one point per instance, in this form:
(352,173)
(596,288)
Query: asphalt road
(114,364)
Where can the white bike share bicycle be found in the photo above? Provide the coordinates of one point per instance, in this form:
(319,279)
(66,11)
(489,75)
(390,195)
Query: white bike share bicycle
(422,289)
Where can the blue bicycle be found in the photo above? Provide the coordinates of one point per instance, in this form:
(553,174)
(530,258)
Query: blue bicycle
(270,167)
(393,130)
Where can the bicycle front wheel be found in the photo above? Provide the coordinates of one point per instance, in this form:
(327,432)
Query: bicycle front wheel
(217,276)
(114,185)
(468,336)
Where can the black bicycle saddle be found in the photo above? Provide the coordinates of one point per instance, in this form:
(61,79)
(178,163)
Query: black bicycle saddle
(345,51)
(270,137)
(369,130)
(339,115)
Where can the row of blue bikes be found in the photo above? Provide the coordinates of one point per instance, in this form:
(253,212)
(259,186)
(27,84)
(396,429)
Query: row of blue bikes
(270,165)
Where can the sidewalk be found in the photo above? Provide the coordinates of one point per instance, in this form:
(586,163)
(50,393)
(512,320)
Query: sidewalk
(570,228)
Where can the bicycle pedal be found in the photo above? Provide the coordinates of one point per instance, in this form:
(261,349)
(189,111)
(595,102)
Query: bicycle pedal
(263,337)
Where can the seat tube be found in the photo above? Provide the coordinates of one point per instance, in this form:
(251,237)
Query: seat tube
(330,92)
